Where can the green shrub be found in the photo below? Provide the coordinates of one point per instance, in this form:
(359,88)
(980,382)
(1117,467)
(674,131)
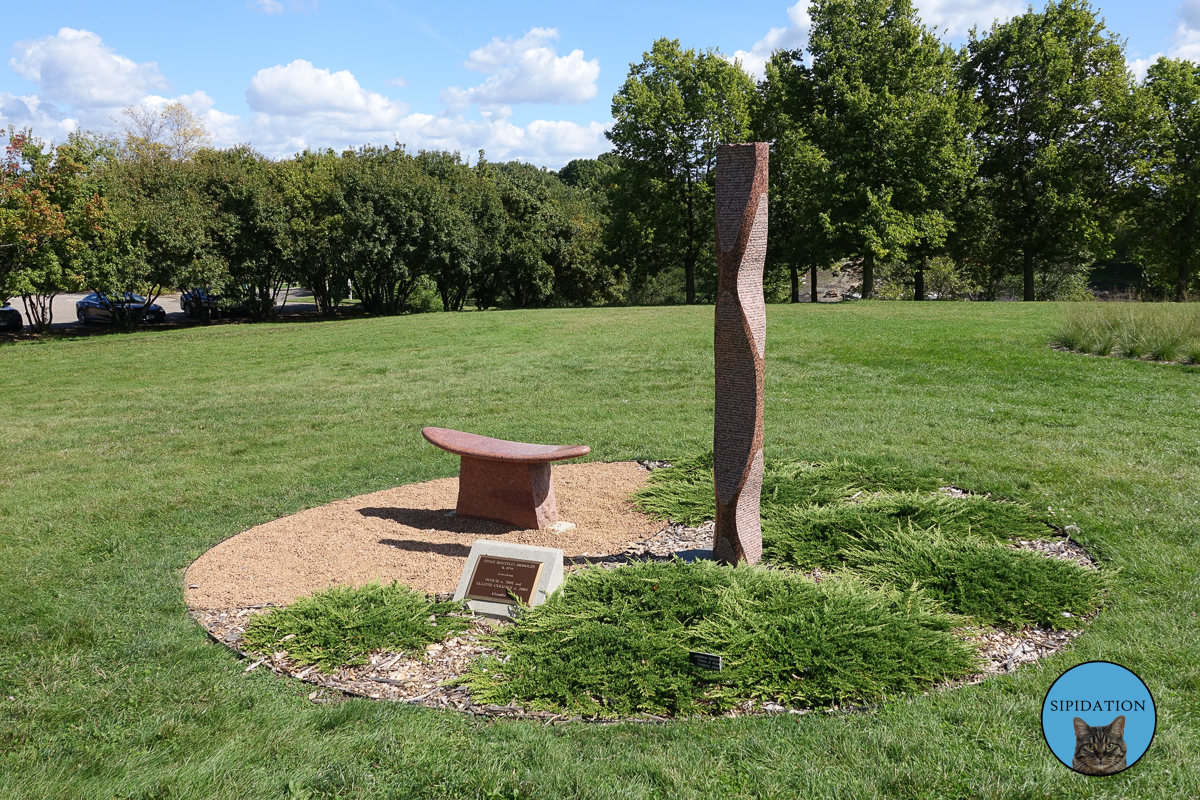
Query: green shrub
(341,625)
(616,642)
(992,584)
(684,492)
(886,527)
(804,537)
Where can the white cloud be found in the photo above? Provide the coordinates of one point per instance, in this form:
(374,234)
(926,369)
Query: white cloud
(954,17)
(1189,13)
(76,68)
(545,142)
(526,70)
(83,83)
(276,7)
(399,83)
(957,17)
(300,90)
(30,111)
(1187,34)
(300,106)
(794,35)
(1138,66)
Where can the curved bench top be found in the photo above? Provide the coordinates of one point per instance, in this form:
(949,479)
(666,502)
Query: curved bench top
(473,445)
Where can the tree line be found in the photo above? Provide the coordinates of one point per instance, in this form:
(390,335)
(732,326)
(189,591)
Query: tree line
(1006,167)
(158,210)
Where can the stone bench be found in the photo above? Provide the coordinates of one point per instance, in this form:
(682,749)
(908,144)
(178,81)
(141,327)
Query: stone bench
(504,481)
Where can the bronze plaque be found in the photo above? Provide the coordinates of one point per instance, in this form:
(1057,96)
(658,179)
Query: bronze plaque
(495,577)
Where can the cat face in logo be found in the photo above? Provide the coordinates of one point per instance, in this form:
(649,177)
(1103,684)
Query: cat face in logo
(1099,750)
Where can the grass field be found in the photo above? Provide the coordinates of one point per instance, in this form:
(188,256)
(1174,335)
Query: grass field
(128,456)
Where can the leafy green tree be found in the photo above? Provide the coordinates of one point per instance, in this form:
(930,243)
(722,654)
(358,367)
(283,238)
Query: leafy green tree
(157,233)
(673,110)
(593,175)
(34,233)
(889,120)
(313,234)
(384,213)
(798,240)
(1054,136)
(248,225)
(461,243)
(581,274)
(1168,216)
(550,252)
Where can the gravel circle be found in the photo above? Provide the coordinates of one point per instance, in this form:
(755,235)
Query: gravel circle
(405,534)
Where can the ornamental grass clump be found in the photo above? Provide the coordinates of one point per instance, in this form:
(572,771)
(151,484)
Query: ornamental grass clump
(343,624)
(616,643)
(1158,331)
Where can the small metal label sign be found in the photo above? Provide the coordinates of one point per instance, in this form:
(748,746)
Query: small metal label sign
(705,660)
(495,578)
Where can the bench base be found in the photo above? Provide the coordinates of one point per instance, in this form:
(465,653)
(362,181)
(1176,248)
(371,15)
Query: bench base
(513,493)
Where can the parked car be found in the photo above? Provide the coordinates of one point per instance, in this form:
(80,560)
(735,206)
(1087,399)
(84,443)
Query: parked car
(10,318)
(199,302)
(98,307)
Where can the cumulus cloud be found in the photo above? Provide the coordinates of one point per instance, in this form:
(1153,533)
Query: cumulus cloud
(550,143)
(790,37)
(29,111)
(76,68)
(82,82)
(1187,33)
(526,70)
(300,95)
(953,17)
(957,17)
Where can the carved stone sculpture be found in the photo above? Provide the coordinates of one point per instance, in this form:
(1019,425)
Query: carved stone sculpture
(739,344)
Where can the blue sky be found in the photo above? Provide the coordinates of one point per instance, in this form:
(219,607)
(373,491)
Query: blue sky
(531,80)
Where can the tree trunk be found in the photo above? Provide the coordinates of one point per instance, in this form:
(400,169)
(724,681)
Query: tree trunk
(1182,281)
(868,284)
(795,298)
(689,279)
(1028,271)
(919,281)
(813,288)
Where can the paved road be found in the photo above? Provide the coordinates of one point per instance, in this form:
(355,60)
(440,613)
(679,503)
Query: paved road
(64,307)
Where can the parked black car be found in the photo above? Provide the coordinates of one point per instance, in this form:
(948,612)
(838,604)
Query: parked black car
(99,307)
(10,318)
(199,302)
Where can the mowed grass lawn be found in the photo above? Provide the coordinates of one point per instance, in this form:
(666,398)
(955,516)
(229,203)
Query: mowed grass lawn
(125,457)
